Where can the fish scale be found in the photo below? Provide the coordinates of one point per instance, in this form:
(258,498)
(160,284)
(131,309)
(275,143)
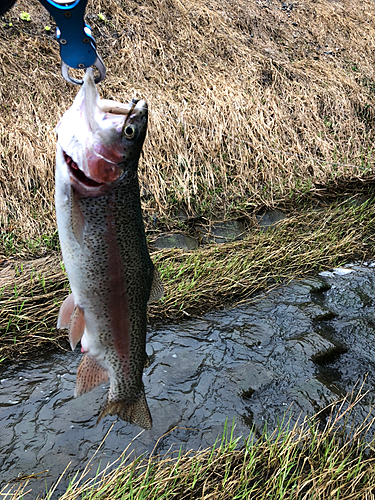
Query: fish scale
(104,247)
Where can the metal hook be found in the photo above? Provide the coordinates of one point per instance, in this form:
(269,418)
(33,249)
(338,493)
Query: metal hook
(77,45)
(98,64)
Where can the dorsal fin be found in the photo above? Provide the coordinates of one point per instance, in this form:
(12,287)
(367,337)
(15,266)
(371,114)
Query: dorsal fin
(157,288)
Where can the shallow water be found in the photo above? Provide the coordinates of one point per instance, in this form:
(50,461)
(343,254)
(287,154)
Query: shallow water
(296,349)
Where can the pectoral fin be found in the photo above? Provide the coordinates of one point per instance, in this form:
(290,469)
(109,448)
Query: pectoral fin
(76,326)
(157,288)
(134,412)
(66,311)
(89,375)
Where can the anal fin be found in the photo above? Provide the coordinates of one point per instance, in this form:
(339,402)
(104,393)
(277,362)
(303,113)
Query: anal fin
(135,411)
(76,326)
(157,288)
(66,311)
(89,375)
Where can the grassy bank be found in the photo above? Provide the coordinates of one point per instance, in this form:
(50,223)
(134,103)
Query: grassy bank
(307,241)
(252,104)
(307,461)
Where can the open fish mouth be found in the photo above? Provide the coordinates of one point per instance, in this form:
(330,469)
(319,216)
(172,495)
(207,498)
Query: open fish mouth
(103,137)
(77,173)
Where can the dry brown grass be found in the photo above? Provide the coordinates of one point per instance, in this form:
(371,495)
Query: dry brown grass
(250,77)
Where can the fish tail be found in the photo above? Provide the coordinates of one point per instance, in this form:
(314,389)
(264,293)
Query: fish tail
(135,411)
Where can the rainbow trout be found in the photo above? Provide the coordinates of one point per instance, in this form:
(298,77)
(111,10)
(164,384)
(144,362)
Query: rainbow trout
(104,247)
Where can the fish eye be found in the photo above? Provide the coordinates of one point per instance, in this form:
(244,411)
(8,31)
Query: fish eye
(130,131)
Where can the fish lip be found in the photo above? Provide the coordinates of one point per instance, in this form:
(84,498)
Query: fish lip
(83,185)
(78,175)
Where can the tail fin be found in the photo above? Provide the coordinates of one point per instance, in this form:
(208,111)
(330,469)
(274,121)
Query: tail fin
(134,411)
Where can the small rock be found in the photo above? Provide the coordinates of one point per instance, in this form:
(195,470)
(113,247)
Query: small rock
(176,240)
(270,219)
(222,232)
(357,202)
(342,271)
(182,215)
(250,375)
(326,274)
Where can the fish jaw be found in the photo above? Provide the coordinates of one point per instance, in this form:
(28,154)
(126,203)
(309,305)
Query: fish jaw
(97,143)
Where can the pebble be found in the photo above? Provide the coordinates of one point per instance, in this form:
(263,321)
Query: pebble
(342,271)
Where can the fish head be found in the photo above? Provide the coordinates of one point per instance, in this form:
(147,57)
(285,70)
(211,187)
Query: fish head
(99,141)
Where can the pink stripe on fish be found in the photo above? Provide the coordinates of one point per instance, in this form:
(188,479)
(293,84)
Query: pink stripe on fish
(117,300)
